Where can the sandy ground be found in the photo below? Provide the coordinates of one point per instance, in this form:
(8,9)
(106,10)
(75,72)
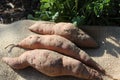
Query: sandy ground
(107,55)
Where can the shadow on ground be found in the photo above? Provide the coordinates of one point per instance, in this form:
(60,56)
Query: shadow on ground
(108,39)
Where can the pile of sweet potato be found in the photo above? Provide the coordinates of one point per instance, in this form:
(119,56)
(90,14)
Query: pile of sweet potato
(55,51)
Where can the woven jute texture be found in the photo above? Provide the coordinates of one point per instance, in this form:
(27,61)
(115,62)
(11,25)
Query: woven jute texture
(107,55)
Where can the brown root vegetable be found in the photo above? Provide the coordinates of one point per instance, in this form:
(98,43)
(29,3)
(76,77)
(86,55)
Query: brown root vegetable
(61,45)
(67,30)
(52,64)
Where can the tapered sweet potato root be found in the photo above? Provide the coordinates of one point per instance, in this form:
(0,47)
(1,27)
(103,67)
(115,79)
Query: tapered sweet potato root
(61,45)
(67,30)
(52,64)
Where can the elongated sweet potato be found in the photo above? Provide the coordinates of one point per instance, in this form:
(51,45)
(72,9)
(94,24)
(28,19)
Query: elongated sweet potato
(52,64)
(67,30)
(59,44)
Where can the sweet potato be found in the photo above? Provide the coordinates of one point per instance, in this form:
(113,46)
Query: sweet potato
(52,64)
(59,44)
(67,30)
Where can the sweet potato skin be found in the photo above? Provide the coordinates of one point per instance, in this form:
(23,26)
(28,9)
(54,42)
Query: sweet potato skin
(66,30)
(52,64)
(61,45)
